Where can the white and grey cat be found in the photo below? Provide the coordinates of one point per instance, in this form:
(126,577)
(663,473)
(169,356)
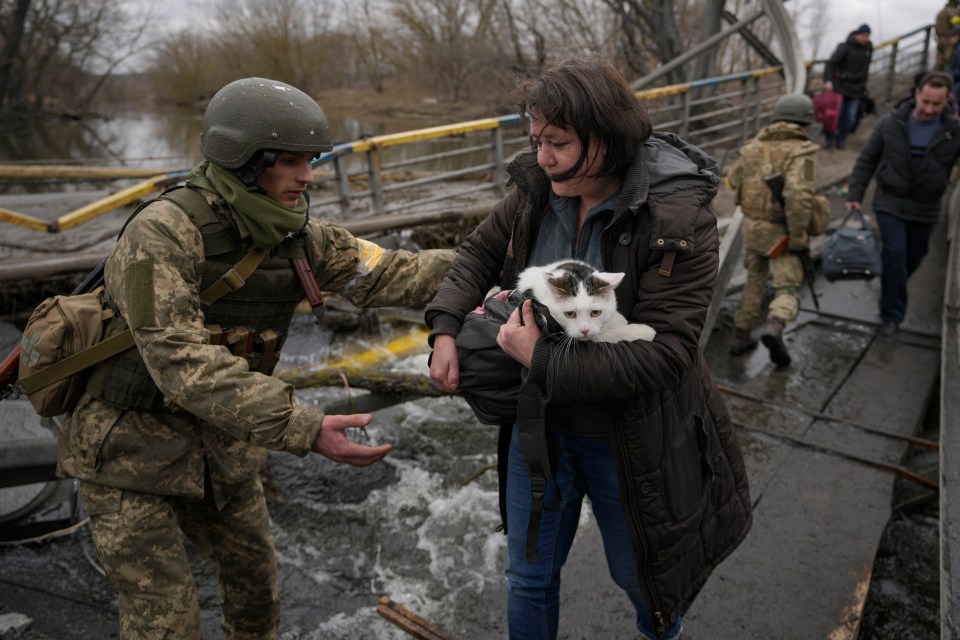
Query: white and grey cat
(581,299)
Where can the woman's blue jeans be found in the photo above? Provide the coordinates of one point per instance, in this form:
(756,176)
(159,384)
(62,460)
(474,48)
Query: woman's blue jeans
(585,468)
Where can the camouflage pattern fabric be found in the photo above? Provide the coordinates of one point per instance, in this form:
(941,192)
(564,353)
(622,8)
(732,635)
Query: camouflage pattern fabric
(141,551)
(219,411)
(193,465)
(787,278)
(942,27)
(783,147)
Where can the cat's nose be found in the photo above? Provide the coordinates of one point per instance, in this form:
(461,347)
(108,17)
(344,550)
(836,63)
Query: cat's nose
(585,331)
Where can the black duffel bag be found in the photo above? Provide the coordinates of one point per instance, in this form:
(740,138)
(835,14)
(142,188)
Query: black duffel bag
(852,253)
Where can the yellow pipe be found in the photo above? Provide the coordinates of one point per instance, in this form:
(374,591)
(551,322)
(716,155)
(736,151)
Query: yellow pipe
(393,139)
(115,201)
(24,220)
(22,172)
(415,340)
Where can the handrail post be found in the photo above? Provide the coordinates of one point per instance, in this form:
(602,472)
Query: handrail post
(891,70)
(343,184)
(499,168)
(685,122)
(745,112)
(757,107)
(376,185)
(926,48)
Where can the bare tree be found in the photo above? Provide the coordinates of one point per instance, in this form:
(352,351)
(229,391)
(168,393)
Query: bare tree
(282,39)
(446,41)
(811,18)
(368,34)
(179,68)
(12,29)
(650,34)
(57,53)
(710,21)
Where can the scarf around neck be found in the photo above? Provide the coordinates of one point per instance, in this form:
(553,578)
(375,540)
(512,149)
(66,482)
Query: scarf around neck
(264,220)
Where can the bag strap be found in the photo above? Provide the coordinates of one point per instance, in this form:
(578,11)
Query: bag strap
(77,362)
(859,214)
(235,278)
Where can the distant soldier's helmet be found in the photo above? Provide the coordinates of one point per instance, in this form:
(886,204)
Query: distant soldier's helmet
(794,107)
(252,114)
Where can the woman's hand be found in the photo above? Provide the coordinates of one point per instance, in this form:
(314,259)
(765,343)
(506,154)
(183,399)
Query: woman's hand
(517,340)
(445,365)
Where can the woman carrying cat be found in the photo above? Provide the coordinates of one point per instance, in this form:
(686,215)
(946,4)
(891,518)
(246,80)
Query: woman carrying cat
(636,426)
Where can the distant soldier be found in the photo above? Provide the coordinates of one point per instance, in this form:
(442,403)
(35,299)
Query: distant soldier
(947,18)
(780,153)
(170,435)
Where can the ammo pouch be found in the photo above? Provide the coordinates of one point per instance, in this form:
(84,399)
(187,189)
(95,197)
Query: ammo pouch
(261,349)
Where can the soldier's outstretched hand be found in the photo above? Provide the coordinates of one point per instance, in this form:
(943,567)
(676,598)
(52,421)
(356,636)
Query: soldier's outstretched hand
(332,441)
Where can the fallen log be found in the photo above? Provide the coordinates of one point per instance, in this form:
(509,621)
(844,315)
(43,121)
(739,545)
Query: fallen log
(408,621)
(380,382)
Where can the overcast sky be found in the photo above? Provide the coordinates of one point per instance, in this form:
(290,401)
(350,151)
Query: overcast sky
(887,18)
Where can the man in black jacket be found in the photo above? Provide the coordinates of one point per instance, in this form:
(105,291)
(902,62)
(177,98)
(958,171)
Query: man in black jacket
(911,152)
(846,73)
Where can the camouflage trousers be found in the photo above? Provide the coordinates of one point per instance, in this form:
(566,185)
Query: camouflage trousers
(139,544)
(787,274)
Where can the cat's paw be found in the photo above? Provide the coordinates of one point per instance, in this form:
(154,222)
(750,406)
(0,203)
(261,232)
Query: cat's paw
(633,332)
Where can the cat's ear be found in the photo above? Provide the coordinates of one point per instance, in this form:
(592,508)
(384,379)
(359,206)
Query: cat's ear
(612,279)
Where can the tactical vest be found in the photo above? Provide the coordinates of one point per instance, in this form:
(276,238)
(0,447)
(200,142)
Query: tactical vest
(251,321)
(760,158)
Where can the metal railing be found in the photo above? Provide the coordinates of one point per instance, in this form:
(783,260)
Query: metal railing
(379,175)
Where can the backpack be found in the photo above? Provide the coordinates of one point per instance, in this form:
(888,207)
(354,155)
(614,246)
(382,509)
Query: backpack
(62,337)
(64,331)
(489,378)
(819,216)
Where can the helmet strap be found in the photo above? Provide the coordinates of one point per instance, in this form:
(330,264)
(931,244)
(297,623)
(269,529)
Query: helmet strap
(250,173)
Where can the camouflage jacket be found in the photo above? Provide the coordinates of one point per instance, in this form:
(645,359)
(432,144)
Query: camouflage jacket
(221,414)
(783,147)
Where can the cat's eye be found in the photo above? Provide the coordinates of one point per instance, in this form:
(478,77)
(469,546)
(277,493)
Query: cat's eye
(595,313)
(570,314)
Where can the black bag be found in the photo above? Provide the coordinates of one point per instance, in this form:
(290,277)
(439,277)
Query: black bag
(852,254)
(489,378)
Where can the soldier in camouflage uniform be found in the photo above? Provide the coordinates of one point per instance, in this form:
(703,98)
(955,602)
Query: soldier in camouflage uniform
(170,435)
(785,147)
(946,19)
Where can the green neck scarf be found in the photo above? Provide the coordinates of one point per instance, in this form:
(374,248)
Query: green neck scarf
(265,221)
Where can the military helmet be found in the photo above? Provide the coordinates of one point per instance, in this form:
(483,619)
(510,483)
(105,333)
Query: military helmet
(256,113)
(794,107)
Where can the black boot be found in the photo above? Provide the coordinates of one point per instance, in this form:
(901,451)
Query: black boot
(772,338)
(742,341)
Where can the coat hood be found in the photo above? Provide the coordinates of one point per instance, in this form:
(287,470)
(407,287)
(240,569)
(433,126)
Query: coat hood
(665,164)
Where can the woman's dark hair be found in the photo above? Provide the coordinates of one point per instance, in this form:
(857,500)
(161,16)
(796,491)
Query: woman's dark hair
(586,93)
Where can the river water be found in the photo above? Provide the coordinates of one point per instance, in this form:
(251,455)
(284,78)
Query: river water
(168,138)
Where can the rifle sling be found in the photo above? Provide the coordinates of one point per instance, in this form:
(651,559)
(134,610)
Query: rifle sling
(232,280)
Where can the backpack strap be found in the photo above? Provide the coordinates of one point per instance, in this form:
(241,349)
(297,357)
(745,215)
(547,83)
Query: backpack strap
(78,361)
(235,277)
(230,281)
